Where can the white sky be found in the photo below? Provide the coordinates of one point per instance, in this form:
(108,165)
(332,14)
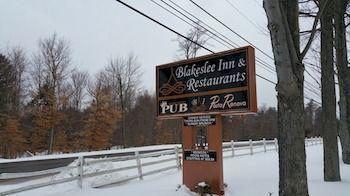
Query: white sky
(101,29)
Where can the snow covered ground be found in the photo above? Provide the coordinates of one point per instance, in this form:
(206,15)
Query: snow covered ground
(255,175)
(101,152)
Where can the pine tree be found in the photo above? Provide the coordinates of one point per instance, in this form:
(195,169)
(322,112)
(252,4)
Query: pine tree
(7,85)
(11,140)
(101,121)
(46,118)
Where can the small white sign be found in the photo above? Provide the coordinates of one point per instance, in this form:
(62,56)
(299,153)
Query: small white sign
(204,120)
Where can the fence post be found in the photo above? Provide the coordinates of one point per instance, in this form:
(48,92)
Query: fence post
(251,146)
(177,157)
(138,162)
(80,171)
(264,143)
(233,148)
(276,144)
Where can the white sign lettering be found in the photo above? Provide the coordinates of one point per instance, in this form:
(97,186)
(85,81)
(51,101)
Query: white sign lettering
(173,108)
(227,102)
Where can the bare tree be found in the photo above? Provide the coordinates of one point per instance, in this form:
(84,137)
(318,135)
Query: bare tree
(79,81)
(54,57)
(188,49)
(329,128)
(51,66)
(283,23)
(37,76)
(99,87)
(340,20)
(19,61)
(340,7)
(124,76)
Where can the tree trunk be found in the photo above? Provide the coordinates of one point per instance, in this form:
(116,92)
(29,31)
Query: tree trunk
(51,138)
(343,127)
(343,77)
(284,30)
(329,128)
(122,105)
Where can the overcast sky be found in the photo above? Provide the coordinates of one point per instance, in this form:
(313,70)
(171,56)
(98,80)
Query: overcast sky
(102,29)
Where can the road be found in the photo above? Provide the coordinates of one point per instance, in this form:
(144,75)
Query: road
(38,165)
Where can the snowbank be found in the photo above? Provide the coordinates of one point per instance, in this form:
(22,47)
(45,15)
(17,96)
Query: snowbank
(255,175)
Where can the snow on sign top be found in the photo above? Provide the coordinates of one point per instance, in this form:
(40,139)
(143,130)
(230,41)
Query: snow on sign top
(220,83)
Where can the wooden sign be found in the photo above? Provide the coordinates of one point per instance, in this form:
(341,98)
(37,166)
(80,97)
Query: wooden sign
(221,83)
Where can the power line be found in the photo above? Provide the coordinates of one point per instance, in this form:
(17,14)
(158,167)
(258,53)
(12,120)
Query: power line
(192,25)
(204,10)
(258,59)
(234,44)
(318,102)
(257,26)
(179,34)
(313,77)
(263,64)
(229,28)
(163,25)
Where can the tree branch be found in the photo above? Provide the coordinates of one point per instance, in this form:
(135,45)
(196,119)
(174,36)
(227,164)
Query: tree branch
(313,31)
(309,31)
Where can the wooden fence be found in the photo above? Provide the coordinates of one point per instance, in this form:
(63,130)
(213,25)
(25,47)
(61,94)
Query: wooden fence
(247,148)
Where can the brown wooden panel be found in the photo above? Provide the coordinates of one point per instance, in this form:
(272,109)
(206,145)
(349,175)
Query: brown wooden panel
(199,171)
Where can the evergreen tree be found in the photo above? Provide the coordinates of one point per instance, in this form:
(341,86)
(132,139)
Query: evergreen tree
(101,121)
(7,85)
(46,117)
(11,140)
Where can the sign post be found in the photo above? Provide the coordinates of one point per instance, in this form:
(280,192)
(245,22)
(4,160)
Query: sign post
(208,166)
(201,90)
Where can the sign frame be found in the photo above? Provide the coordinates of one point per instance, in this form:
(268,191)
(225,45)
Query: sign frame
(250,87)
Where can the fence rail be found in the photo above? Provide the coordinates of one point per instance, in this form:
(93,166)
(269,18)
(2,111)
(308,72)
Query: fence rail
(81,163)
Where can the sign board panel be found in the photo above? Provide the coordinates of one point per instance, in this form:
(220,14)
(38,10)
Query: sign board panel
(221,83)
(204,120)
(199,155)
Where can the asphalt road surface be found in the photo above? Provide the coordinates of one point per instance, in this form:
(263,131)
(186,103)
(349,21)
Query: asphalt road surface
(39,165)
